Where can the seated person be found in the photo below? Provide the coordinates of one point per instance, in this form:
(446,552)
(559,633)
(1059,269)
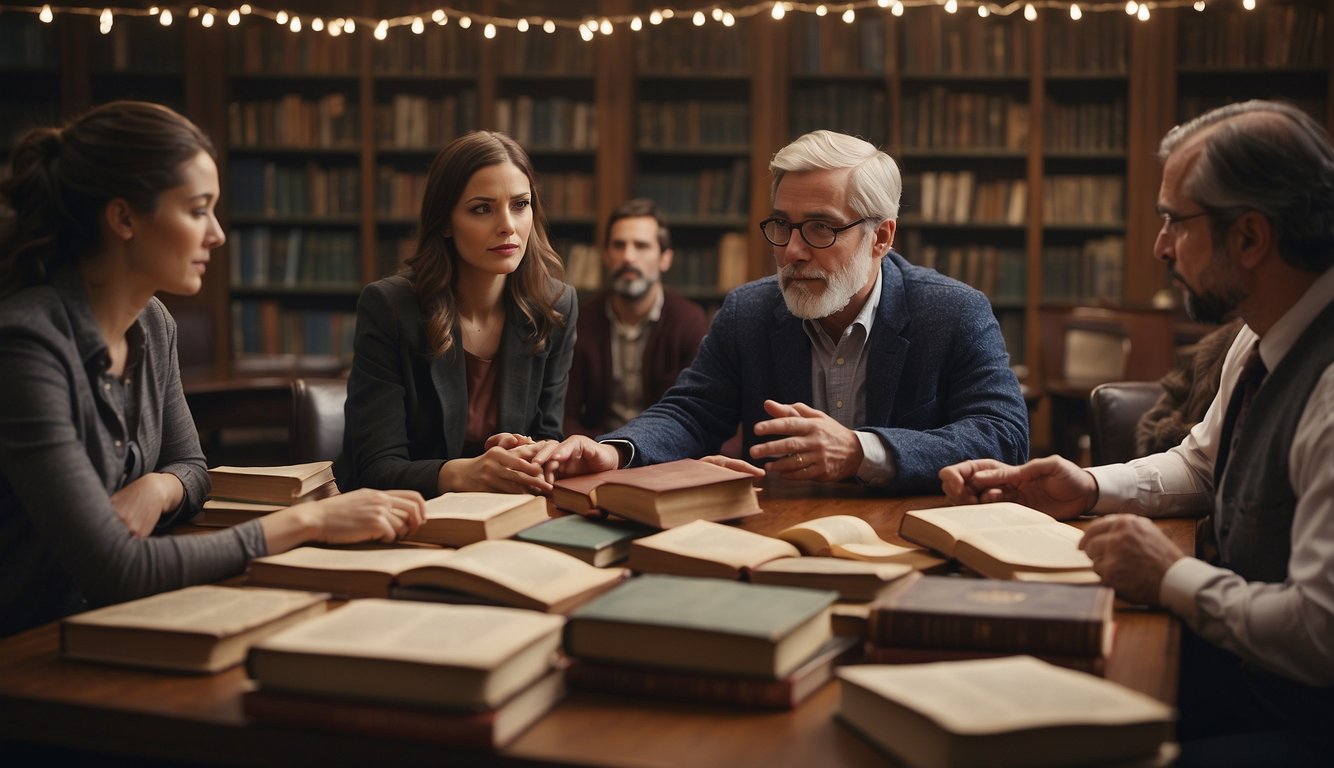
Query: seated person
(850,362)
(636,335)
(461,362)
(1188,391)
(97,446)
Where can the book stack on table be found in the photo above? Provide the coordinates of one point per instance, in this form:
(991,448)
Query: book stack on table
(245,493)
(472,676)
(706,640)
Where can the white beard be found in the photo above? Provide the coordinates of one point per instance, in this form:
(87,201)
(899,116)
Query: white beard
(839,288)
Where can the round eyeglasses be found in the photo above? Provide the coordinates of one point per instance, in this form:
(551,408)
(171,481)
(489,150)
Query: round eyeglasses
(816,233)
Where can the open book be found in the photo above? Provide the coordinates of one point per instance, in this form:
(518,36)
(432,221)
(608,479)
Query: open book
(1012,712)
(853,538)
(851,579)
(704,625)
(288,484)
(196,629)
(456,519)
(342,572)
(454,656)
(662,495)
(513,573)
(701,548)
(1003,540)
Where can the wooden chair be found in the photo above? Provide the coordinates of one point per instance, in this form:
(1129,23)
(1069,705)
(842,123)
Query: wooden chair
(317,419)
(1114,411)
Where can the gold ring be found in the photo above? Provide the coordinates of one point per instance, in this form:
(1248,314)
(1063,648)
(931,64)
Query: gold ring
(800,461)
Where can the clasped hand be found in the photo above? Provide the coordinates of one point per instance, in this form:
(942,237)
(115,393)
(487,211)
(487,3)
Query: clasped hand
(505,466)
(816,446)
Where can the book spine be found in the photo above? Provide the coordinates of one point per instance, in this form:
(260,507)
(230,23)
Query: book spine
(463,729)
(890,627)
(677,686)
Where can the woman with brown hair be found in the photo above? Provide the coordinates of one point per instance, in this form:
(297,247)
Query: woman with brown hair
(97,447)
(462,360)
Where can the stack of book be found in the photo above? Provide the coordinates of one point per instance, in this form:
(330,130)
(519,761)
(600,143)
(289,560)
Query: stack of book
(999,713)
(473,676)
(456,519)
(661,495)
(939,618)
(245,493)
(704,640)
(500,572)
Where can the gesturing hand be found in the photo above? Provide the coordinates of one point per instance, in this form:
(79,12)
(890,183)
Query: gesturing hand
(1051,484)
(817,446)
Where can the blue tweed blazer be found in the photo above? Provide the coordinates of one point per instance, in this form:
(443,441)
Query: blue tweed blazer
(939,385)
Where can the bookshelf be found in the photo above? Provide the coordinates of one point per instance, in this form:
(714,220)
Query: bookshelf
(1027,147)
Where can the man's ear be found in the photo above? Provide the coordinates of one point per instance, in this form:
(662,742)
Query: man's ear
(119,218)
(1253,237)
(665,260)
(884,237)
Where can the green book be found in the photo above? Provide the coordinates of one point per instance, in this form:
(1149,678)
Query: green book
(703,625)
(597,542)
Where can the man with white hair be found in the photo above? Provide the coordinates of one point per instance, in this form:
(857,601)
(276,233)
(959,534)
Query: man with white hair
(848,363)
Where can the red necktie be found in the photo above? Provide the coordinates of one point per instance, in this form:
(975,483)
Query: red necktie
(1253,373)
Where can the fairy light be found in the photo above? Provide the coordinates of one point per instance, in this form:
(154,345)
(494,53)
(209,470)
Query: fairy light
(548,26)
(336,28)
(821,11)
(317,25)
(636,24)
(194,12)
(439,17)
(655,18)
(349,26)
(465,22)
(1248,4)
(983,11)
(1030,12)
(951,6)
(281,18)
(728,19)
(247,9)
(418,26)
(699,19)
(1075,13)
(778,11)
(717,13)
(586,33)
(1199,6)
(1143,14)
(849,15)
(233,18)
(165,18)
(381,30)
(897,10)
(668,13)
(522,25)
(207,21)
(1132,7)
(295,24)
(882,3)
(46,14)
(489,31)
(604,26)
(104,21)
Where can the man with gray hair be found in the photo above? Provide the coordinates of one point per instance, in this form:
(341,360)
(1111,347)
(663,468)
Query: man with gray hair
(1247,202)
(848,363)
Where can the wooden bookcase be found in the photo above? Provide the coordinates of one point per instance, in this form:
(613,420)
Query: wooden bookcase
(1028,148)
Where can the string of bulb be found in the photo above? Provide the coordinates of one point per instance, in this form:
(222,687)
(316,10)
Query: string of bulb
(591,26)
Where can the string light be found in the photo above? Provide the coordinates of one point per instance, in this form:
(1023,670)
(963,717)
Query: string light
(588,28)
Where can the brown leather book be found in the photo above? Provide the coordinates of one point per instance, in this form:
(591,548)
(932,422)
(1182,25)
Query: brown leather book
(662,495)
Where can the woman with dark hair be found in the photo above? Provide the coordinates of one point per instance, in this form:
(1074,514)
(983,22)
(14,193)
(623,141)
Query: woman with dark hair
(97,447)
(462,360)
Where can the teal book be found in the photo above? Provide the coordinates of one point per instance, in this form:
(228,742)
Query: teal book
(596,542)
(704,625)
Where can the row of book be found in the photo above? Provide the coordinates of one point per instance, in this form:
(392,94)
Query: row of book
(310,338)
(259,48)
(136,45)
(830,46)
(950,196)
(963,44)
(1086,126)
(548,121)
(330,121)
(1084,199)
(266,188)
(264,257)
(1097,43)
(1091,273)
(678,49)
(706,192)
(1284,35)
(860,110)
(427,122)
(26,44)
(943,118)
(692,124)
(1000,273)
(441,50)
(547,55)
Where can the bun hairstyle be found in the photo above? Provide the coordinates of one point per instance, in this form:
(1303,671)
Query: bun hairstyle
(63,178)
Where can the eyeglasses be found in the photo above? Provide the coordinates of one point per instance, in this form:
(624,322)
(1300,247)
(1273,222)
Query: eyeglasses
(1172,220)
(817,234)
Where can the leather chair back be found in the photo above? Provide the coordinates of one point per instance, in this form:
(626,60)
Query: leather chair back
(317,419)
(1114,410)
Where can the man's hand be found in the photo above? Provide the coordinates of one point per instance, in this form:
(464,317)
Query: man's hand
(142,503)
(1051,484)
(498,470)
(1131,555)
(576,455)
(738,465)
(817,446)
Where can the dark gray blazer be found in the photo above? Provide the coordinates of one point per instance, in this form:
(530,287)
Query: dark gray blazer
(407,409)
(939,388)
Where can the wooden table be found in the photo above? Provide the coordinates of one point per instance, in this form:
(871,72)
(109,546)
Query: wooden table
(198,718)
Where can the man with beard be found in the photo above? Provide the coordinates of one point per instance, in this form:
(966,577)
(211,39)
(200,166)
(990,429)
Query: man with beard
(849,363)
(1247,201)
(635,336)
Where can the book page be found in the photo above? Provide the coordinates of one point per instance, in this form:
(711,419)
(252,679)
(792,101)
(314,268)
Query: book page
(1006,694)
(473,505)
(296,471)
(206,610)
(717,543)
(530,569)
(675,475)
(1039,547)
(828,531)
(958,521)
(474,636)
(389,561)
(830,565)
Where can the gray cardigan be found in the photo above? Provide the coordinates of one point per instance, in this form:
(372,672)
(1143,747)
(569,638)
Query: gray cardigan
(70,436)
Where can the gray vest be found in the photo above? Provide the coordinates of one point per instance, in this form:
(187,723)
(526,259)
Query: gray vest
(1255,504)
